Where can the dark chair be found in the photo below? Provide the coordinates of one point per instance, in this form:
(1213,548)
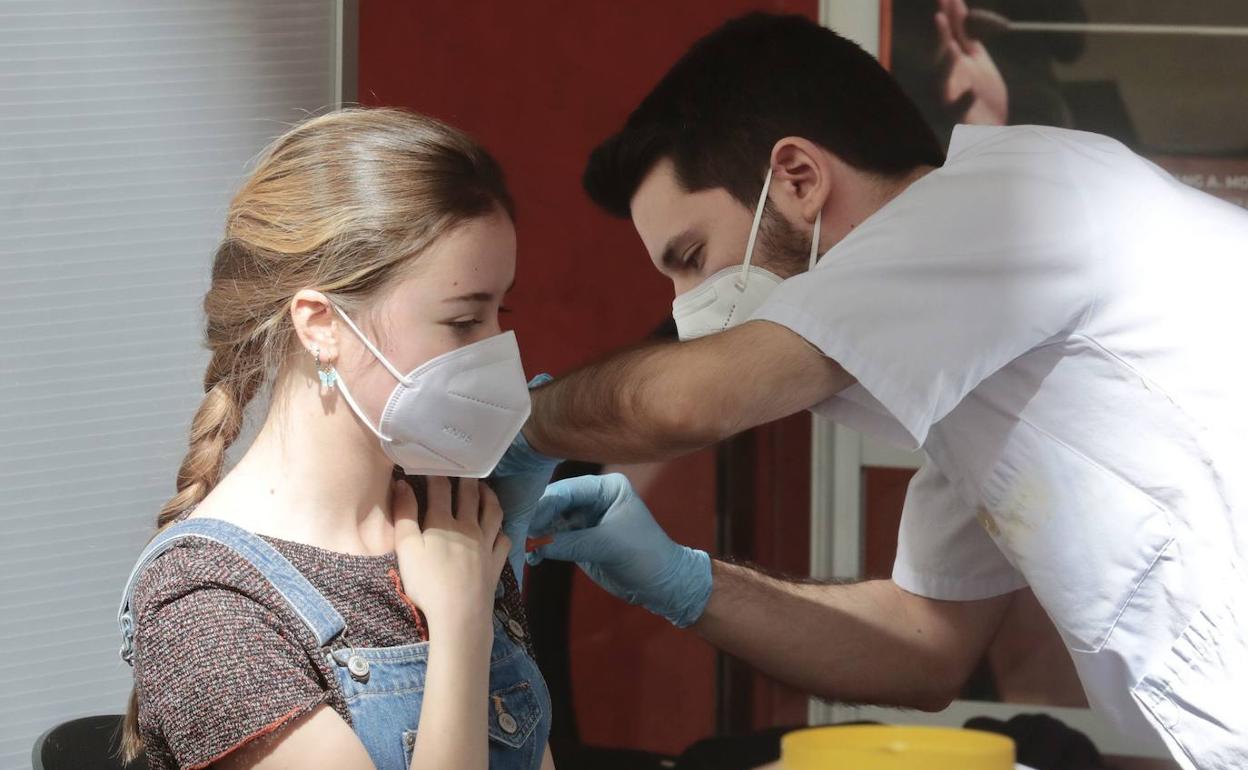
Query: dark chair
(89,743)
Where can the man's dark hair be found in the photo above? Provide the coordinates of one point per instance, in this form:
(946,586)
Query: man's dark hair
(757,79)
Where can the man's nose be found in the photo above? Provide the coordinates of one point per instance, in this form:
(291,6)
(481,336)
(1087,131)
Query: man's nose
(687,283)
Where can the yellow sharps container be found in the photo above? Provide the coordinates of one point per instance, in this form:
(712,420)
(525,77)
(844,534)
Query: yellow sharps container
(890,747)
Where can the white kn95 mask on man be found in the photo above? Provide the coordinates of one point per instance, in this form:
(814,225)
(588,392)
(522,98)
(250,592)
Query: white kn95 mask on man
(730,296)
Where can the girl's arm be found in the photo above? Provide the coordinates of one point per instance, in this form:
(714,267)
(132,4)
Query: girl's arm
(319,739)
(452,731)
(450,569)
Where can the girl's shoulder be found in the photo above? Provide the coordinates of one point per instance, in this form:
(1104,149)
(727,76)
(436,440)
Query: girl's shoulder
(205,581)
(219,658)
(193,565)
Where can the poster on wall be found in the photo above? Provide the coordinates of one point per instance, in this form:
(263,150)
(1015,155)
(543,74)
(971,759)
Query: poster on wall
(1167,79)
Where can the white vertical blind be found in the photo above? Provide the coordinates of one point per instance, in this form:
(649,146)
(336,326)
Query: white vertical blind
(124,128)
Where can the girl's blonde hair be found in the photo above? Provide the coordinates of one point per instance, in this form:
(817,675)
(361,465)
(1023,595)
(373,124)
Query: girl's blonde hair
(339,203)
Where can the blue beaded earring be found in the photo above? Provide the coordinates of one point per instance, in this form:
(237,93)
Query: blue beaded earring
(327,373)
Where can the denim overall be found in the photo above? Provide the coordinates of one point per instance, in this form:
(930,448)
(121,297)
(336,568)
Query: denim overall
(383,686)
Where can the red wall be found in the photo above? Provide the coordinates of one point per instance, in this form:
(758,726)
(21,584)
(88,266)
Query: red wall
(539,84)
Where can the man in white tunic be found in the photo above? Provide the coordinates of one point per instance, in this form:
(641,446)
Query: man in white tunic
(1056,321)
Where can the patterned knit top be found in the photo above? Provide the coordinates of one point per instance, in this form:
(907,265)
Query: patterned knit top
(221,658)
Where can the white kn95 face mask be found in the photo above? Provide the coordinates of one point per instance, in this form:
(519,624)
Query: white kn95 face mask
(730,296)
(454,415)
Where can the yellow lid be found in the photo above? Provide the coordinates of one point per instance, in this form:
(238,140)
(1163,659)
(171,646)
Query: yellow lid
(890,747)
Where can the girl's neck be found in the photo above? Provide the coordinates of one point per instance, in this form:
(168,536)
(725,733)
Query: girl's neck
(314,475)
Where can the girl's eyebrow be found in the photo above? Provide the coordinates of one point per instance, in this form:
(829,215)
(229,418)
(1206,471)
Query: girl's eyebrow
(480,296)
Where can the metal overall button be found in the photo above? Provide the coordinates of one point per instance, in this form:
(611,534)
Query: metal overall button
(358,667)
(513,627)
(516,710)
(506,722)
(345,655)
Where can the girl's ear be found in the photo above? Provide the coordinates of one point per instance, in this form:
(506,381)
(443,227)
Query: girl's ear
(313,316)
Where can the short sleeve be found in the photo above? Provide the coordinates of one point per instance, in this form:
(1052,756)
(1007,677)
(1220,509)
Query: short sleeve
(970,267)
(942,550)
(215,670)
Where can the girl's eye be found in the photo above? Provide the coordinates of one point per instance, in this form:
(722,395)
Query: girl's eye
(463,325)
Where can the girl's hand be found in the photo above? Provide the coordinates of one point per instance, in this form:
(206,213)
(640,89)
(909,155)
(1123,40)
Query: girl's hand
(450,567)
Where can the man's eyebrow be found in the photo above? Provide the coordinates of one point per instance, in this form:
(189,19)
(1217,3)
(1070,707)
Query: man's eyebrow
(672,252)
(480,296)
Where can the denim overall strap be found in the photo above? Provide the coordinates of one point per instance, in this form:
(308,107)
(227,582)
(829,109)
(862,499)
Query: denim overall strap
(308,603)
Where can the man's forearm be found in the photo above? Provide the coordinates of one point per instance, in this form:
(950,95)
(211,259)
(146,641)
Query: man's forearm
(666,399)
(616,411)
(868,642)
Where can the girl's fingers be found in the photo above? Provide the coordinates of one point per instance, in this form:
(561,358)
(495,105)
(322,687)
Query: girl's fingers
(467,508)
(491,514)
(405,509)
(502,547)
(439,502)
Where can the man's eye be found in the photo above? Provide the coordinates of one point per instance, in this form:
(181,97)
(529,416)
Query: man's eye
(693,258)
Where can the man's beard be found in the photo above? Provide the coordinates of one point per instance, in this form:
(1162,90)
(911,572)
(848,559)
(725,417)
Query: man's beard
(781,248)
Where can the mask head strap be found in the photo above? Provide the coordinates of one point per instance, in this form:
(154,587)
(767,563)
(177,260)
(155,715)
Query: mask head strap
(814,242)
(346,393)
(758,218)
(342,384)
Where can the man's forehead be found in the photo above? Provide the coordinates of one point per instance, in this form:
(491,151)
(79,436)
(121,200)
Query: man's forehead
(657,207)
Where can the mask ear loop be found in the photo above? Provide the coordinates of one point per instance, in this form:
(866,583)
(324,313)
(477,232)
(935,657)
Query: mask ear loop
(346,393)
(758,218)
(371,348)
(814,242)
(342,384)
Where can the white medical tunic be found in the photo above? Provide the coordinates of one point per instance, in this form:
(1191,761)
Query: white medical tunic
(1062,327)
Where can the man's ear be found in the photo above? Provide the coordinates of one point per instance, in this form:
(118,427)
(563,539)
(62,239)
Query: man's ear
(801,178)
(315,322)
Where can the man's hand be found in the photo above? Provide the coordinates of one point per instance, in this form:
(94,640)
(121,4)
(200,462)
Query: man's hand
(519,481)
(972,89)
(600,523)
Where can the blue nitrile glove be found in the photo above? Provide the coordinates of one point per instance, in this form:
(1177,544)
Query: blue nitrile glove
(600,523)
(519,480)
